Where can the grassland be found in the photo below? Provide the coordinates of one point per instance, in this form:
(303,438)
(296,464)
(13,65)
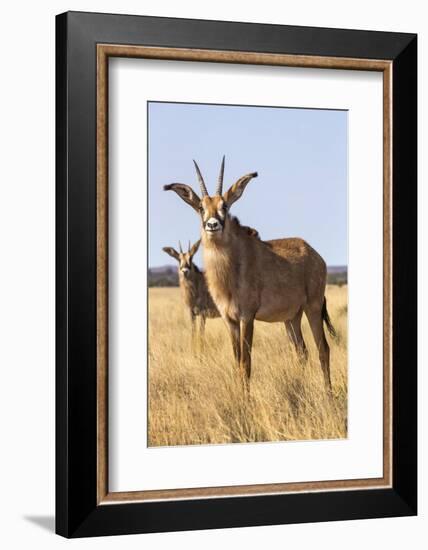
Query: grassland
(195,395)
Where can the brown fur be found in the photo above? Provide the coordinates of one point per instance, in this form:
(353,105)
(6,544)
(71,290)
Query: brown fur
(248,279)
(193,288)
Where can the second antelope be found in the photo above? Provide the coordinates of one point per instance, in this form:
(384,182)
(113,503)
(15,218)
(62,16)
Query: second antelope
(193,287)
(250,279)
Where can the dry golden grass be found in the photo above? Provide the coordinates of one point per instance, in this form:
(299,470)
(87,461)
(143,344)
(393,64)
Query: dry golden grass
(195,395)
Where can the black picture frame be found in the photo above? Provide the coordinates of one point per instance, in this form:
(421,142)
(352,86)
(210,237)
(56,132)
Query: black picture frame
(77,511)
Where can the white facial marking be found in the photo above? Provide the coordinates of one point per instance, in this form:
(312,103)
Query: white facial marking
(212,225)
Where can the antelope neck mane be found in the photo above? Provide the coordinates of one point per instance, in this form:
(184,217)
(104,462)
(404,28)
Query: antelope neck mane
(221,255)
(236,235)
(237,226)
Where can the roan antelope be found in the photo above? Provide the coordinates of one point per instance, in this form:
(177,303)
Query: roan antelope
(248,279)
(193,287)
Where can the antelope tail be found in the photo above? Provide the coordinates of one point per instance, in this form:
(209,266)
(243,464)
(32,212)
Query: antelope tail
(327,320)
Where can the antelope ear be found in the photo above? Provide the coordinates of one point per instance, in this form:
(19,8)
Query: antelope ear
(194,248)
(172,252)
(235,192)
(186,193)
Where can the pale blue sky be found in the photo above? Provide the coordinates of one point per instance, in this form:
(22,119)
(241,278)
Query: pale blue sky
(299,154)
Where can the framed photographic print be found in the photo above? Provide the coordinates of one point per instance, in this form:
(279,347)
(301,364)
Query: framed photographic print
(236,274)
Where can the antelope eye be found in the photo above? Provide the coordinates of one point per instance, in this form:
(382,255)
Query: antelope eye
(224,207)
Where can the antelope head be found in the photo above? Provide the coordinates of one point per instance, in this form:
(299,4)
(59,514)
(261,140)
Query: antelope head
(184,259)
(213,210)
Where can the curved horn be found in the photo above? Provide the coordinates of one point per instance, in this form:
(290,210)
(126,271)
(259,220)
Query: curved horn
(201,180)
(219,190)
(179,244)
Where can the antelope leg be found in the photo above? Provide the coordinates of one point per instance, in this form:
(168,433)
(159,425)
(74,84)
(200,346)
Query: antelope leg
(294,331)
(246,342)
(316,323)
(234,332)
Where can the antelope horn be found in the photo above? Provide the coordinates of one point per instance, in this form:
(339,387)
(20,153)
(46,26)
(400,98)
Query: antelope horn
(188,250)
(219,190)
(179,244)
(201,180)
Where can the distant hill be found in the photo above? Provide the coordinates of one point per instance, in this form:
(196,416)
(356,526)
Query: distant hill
(337,269)
(166,275)
(337,274)
(163,269)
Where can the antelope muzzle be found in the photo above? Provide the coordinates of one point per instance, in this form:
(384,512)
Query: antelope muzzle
(213,227)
